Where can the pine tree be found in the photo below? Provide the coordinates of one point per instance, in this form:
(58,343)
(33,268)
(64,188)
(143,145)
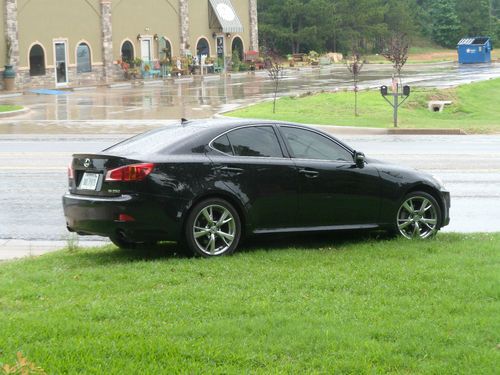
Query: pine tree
(445,23)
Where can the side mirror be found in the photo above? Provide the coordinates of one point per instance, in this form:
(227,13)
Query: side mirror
(406,90)
(359,159)
(383,90)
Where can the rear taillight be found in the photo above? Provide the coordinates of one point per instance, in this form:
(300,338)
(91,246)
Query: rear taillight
(125,218)
(134,172)
(71,172)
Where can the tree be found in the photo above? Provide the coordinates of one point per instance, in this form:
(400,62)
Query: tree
(473,17)
(303,25)
(396,51)
(445,23)
(275,72)
(293,26)
(361,25)
(399,16)
(354,65)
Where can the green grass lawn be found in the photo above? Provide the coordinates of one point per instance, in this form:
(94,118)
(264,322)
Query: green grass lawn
(475,109)
(9,108)
(316,304)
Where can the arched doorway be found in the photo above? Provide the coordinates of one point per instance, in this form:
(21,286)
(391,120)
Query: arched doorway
(83,58)
(127,51)
(237,45)
(37,61)
(164,49)
(202,48)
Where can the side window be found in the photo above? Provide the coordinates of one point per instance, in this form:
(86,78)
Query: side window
(83,63)
(255,141)
(37,61)
(306,144)
(222,144)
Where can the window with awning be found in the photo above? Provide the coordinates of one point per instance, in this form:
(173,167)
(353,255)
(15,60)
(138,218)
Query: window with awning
(223,16)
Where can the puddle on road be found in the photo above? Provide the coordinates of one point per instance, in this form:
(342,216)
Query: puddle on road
(137,109)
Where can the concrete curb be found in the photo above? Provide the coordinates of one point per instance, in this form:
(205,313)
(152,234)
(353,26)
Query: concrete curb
(12,95)
(17,249)
(125,85)
(153,83)
(353,130)
(84,88)
(17,112)
(184,79)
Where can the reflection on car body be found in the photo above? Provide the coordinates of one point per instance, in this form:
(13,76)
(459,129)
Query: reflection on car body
(208,183)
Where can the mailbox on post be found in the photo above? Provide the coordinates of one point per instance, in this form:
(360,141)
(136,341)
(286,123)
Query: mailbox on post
(395,94)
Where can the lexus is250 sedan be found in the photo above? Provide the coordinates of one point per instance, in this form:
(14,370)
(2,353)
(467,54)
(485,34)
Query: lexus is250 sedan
(209,183)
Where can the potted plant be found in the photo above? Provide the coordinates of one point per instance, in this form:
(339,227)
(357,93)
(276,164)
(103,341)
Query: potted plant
(136,63)
(166,66)
(235,61)
(125,67)
(313,58)
(9,74)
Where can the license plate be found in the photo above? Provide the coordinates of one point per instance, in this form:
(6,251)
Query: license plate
(89,181)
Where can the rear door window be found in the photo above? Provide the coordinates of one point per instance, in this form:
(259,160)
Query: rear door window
(257,141)
(222,144)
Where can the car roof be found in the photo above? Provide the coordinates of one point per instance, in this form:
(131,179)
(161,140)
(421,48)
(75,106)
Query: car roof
(186,135)
(227,123)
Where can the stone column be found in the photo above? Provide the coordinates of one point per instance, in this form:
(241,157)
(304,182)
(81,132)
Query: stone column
(184,26)
(107,39)
(11,33)
(254,27)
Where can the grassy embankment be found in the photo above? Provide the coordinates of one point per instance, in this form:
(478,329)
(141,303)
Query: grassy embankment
(419,55)
(312,305)
(423,50)
(9,108)
(475,109)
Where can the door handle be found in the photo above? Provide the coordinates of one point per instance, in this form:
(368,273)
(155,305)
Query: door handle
(231,169)
(309,173)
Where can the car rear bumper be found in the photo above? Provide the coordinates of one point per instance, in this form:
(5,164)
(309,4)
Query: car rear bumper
(147,218)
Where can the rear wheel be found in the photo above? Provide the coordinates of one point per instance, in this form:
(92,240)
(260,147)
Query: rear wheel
(418,216)
(213,228)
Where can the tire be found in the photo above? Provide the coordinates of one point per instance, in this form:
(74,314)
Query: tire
(212,228)
(418,216)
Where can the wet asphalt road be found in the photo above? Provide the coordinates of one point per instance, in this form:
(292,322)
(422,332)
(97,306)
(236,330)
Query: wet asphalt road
(36,147)
(123,110)
(33,176)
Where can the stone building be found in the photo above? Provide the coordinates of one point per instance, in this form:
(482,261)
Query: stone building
(54,43)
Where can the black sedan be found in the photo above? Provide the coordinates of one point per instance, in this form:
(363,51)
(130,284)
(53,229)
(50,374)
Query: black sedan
(208,183)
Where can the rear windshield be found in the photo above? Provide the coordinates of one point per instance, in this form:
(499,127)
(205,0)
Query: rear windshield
(154,141)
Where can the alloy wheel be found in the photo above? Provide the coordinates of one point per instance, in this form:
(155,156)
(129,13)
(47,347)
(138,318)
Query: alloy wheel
(418,218)
(214,230)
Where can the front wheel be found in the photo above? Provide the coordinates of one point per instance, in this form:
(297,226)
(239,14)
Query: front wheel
(418,216)
(213,228)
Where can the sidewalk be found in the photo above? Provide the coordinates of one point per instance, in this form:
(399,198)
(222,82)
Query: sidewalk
(16,249)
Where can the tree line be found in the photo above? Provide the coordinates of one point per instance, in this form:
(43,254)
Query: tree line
(294,26)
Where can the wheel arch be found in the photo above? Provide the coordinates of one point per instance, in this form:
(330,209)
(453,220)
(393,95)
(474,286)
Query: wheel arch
(230,198)
(434,193)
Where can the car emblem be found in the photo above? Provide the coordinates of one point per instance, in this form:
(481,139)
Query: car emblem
(86,163)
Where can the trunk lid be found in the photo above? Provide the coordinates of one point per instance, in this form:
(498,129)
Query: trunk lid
(89,173)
